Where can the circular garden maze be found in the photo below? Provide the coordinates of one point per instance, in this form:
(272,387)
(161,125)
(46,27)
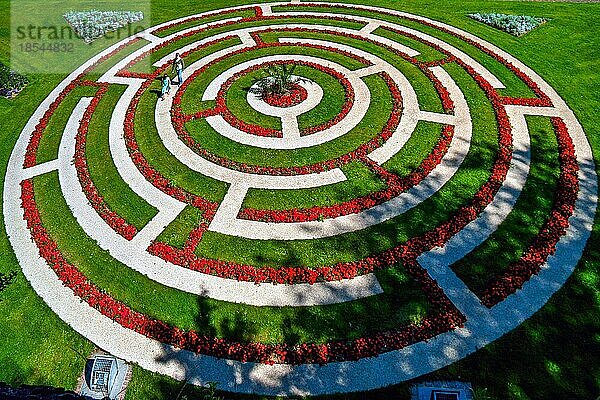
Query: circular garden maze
(422,194)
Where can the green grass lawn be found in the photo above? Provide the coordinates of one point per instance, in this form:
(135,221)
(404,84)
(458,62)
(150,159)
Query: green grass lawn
(553,355)
(103,172)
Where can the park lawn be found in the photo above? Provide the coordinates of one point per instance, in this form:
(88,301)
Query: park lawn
(553,355)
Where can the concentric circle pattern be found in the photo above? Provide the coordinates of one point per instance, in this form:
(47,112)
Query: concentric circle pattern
(342,239)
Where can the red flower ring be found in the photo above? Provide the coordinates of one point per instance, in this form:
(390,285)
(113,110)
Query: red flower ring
(36,136)
(466,214)
(282,275)
(358,154)
(260,131)
(447,318)
(296,94)
(179,120)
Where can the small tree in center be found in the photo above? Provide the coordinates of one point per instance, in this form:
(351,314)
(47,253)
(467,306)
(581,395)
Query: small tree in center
(278,86)
(278,80)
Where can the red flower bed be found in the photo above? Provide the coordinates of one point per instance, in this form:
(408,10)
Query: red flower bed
(295,95)
(116,222)
(36,135)
(164,185)
(315,168)
(260,131)
(342,270)
(555,227)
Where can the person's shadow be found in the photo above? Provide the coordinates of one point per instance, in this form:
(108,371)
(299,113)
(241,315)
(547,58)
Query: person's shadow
(157,92)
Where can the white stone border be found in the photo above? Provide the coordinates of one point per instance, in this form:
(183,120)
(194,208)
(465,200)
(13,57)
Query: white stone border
(482,327)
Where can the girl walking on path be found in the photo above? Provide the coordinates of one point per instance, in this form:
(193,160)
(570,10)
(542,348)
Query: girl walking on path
(178,66)
(166,86)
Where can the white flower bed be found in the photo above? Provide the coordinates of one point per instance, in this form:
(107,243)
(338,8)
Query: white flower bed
(93,24)
(514,24)
(11,83)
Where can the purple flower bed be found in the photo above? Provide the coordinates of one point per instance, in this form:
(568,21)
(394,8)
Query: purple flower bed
(11,83)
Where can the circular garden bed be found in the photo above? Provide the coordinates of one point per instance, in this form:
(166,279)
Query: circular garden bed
(379,215)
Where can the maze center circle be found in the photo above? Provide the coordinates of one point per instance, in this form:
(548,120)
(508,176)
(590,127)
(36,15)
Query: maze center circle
(204,207)
(314,94)
(291,137)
